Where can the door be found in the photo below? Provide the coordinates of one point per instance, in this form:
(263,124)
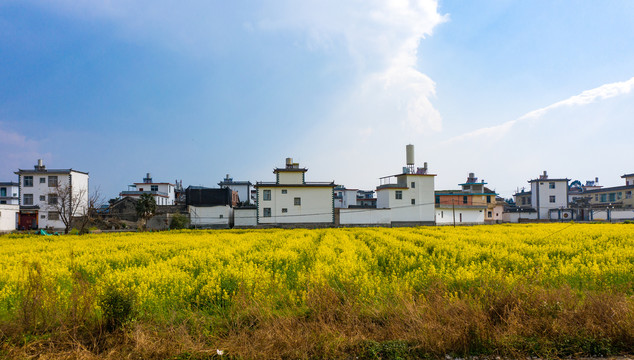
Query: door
(28,221)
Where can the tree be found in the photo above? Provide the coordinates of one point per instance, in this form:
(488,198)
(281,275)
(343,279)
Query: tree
(146,207)
(73,205)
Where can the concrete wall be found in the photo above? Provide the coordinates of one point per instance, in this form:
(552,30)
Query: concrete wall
(369,216)
(515,217)
(316,205)
(8,217)
(615,214)
(245,217)
(210,216)
(444,216)
(290,177)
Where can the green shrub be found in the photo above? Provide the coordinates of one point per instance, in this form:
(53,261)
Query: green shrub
(179,221)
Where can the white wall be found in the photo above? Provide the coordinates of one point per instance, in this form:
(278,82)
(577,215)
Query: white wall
(316,205)
(620,214)
(245,217)
(12,191)
(210,216)
(365,216)
(290,177)
(514,217)
(8,217)
(444,216)
(402,209)
(541,192)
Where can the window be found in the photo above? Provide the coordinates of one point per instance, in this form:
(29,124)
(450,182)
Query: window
(221,216)
(552,198)
(528,200)
(413,185)
(297,201)
(3,201)
(284,191)
(442,214)
(43,216)
(465,200)
(628,194)
(28,181)
(612,197)
(53,215)
(267,212)
(284,210)
(3,191)
(42,198)
(596,197)
(489,214)
(28,199)
(488,199)
(551,185)
(42,180)
(266,196)
(619,195)
(523,201)
(153,187)
(604,197)
(437,199)
(413,201)
(52,199)
(52,181)
(398,195)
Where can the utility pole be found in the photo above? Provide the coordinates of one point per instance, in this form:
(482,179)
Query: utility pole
(453,209)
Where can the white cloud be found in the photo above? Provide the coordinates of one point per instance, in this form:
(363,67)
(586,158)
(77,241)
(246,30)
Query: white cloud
(586,97)
(17,150)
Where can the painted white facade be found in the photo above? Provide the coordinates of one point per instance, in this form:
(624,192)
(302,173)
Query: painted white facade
(245,217)
(614,214)
(291,200)
(547,194)
(163,193)
(464,216)
(210,216)
(8,217)
(9,193)
(515,217)
(38,191)
(344,198)
(365,216)
(629,179)
(411,198)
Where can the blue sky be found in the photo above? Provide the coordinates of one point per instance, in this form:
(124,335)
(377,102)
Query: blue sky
(505,89)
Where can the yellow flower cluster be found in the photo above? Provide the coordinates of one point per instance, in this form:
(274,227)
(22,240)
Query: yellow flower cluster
(207,269)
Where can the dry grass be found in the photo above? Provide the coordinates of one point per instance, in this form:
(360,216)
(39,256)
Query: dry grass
(518,322)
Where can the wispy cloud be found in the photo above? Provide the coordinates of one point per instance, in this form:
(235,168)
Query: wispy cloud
(586,97)
(17,150)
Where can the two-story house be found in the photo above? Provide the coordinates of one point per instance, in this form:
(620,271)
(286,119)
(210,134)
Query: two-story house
(474,203)
(163,193)
(293,200)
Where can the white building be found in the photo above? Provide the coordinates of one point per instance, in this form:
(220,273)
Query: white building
(548,194)
(629,179)
(409,195)
(40,192)
(243,188)
(292,200)
(163,193)
(344,198)
(9,217)
(9,193)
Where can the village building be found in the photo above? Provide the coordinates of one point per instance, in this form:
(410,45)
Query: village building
(471,205)
(345,198)
(291,200)
(163,193)
(39,196)
(9,193)
(210,208)
(242,188)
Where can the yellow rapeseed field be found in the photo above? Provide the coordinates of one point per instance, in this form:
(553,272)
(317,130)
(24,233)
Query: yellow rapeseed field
(206,269)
